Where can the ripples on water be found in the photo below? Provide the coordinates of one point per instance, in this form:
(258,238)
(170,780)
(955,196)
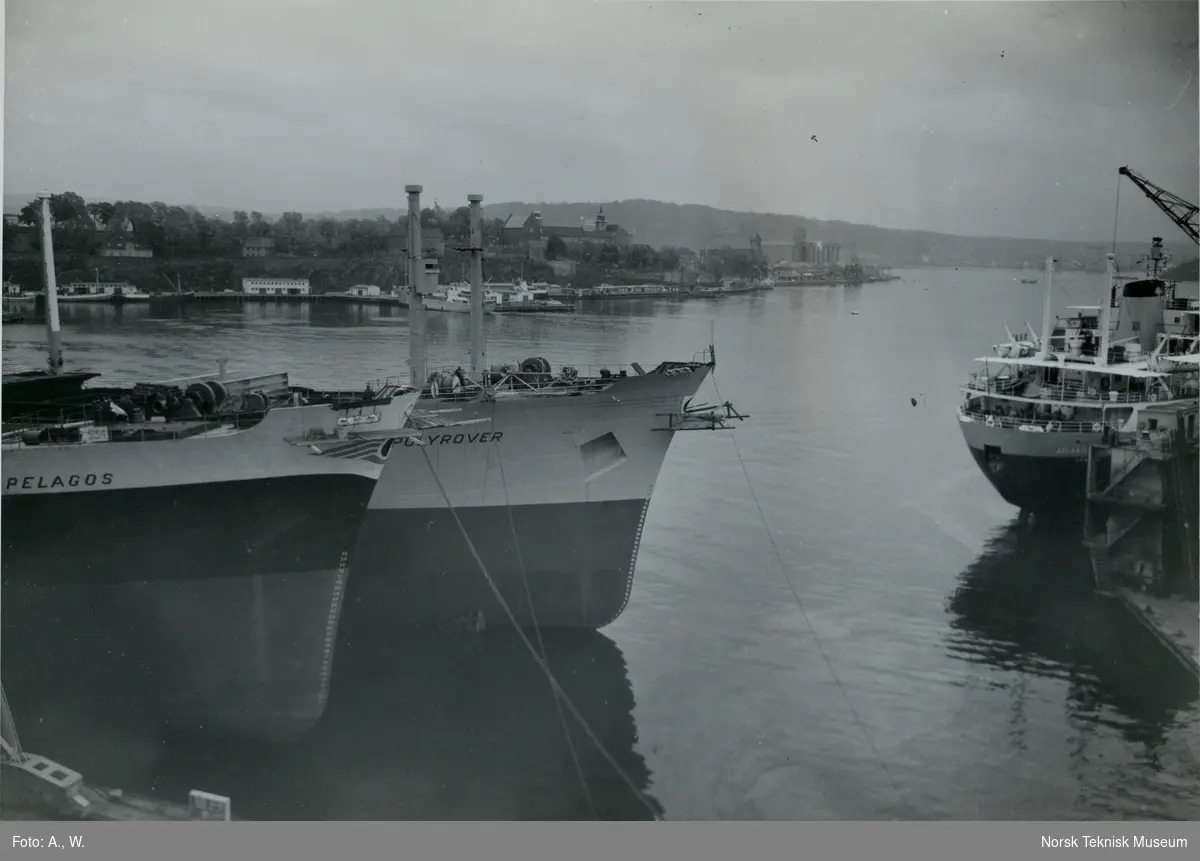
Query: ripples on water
(974,674)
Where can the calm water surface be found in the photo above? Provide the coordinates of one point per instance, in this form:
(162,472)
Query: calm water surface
(943,662)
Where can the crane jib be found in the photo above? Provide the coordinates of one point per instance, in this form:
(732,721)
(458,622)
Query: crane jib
(1180,211)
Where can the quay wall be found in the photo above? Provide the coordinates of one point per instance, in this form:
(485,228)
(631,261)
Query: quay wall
(205,274)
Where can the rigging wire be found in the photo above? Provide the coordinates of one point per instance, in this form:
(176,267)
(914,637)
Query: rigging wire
(566,700)
(808,622)
(1116,213)
(562,718)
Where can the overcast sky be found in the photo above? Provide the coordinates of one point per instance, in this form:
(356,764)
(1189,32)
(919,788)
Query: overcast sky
(978,118)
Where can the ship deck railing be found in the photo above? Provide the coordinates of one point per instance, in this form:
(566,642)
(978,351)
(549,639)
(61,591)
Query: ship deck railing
(566,380)
(99,433)
(1032,425)
(270,384)
(1070,391)
(517,382)
(67,419)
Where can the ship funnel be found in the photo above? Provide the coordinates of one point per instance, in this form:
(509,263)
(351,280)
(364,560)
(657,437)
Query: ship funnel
(1141,313)
(478,346)
(417,349)
(53,329)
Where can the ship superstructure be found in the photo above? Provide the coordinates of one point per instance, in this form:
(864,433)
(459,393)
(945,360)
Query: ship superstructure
(1032,411)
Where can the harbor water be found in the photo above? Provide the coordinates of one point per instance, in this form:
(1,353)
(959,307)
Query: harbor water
(919,653)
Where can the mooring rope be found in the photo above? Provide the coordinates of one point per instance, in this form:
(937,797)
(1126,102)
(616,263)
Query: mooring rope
(570,704)
(562,718)
(807,621)
(1116,214)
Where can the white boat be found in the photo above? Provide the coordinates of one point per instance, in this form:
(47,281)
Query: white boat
(520,296)
(101,291)
(456,298)
(15,294)
(627,291)
(1038,404)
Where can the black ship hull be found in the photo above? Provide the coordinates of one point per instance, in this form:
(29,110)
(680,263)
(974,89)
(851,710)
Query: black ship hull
(214,605)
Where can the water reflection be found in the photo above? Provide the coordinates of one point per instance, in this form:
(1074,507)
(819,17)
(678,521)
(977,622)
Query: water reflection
(455,726)
(1026,605)
(465,727)
(630,307)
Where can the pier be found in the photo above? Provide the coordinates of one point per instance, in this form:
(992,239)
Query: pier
(38,788)
(1140,525)
(304,298)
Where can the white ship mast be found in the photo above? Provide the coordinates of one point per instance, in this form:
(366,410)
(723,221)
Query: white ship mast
(417,350)
(478,346)
(1106,310)
(1044,346)
(52,325)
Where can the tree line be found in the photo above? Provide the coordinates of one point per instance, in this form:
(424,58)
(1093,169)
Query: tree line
(182,231)
(174,232)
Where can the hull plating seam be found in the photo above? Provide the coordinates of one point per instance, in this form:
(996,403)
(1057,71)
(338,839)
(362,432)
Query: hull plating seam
(331,626)
(637,544)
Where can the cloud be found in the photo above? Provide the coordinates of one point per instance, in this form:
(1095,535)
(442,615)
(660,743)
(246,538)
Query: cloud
(921,122)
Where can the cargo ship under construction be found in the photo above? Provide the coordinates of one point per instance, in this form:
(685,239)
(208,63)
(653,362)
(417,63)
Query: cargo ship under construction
(547,473)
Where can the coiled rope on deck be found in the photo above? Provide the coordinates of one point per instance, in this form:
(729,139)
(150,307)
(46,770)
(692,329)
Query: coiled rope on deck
(566,700)
(807,621)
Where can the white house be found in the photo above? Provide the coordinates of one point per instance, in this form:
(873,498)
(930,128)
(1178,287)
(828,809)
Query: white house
(363,290)
(276,286)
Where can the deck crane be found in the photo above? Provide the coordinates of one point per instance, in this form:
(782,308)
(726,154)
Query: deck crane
(1176,208)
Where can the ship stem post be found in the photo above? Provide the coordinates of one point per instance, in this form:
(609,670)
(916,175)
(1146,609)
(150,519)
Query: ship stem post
(417,348)
(53,328)
(1046,307)
(478,346)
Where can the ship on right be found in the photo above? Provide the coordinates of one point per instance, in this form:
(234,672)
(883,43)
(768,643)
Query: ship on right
(1041,402)
(1031,414)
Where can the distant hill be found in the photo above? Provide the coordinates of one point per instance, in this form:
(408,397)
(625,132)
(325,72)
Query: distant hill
(693,226)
